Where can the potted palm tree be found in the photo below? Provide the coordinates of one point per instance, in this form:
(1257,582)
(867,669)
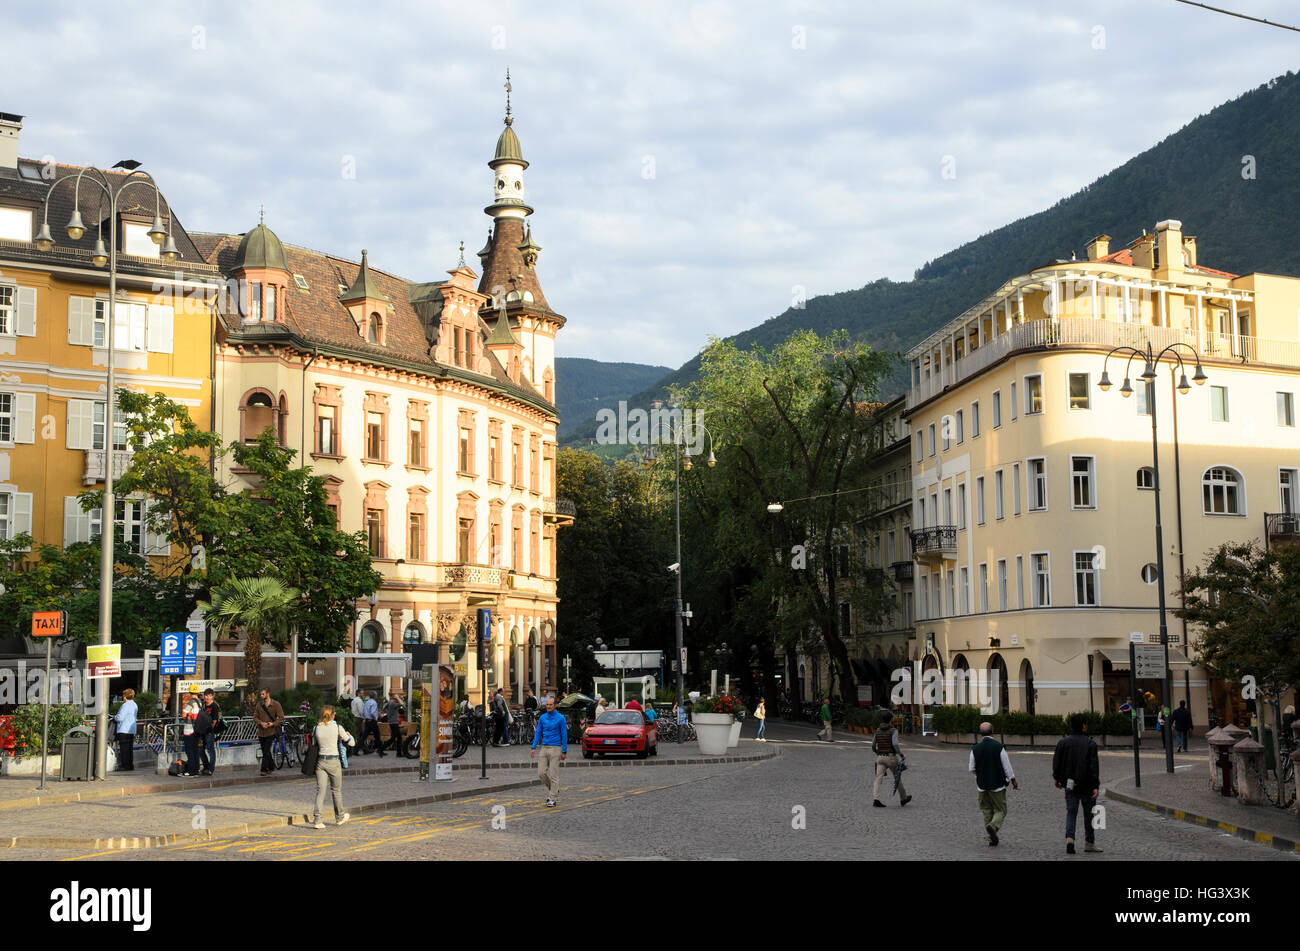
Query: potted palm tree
(262,607)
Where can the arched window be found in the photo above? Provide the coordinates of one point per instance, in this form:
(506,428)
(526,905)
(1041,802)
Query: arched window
(1027,676)
(1222,491)
(998,667)
(414,634)
(375,330)
(258,413)
(371,636)
(1146,478)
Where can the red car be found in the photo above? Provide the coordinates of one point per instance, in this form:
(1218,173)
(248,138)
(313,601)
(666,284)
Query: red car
(620,731)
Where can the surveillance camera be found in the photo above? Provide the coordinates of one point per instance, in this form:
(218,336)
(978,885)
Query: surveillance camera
(675,567)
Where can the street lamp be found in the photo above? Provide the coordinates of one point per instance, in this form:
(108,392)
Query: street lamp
(1152,360)
(101,257)
(678,438)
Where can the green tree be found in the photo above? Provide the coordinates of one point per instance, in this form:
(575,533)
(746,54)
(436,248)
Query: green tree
(1246,602)
(262,607)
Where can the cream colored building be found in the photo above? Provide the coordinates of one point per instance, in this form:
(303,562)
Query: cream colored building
(1033,510)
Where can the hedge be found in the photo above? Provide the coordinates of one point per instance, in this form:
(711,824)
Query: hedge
(967,719)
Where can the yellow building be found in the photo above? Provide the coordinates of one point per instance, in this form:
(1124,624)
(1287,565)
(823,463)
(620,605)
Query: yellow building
(53,330)
(1033,510)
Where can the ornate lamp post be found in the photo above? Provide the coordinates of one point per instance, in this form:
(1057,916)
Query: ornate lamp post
(1148,377)
(100,257)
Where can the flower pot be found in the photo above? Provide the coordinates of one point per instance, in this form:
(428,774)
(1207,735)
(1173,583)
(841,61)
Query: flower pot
(713,731)
(734,740)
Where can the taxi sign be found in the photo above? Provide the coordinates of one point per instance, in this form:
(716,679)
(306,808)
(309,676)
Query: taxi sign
(104,660)
(48,623)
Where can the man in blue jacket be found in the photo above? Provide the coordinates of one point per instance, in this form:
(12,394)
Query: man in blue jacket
(552,735)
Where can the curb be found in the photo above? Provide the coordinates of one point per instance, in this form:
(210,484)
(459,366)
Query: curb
(122,843)
(1249,835)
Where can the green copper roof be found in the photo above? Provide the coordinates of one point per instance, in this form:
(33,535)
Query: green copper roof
(363,286)
(261,248)
(508,149)
(501,333)
(487,248)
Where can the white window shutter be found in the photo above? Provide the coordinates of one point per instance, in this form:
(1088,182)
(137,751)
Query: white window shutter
(81,321)
(160,328)
(22,513)
(155,543)
(76,523)
(26,312)
(80,414)
(25,417)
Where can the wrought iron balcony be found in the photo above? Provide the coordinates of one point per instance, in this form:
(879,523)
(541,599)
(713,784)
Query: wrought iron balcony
(1281,528)
(559,511)
(937,542)
(902,570)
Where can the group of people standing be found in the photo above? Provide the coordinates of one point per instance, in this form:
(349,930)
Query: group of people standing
(365,711)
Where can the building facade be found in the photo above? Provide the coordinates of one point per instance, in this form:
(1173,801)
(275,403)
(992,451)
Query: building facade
(1032,487)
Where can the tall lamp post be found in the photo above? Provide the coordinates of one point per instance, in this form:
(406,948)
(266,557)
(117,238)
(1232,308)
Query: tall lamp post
(1148,379)
(679,465)
(100,257)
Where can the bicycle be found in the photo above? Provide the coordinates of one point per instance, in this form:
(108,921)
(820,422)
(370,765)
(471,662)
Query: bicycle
(287,747)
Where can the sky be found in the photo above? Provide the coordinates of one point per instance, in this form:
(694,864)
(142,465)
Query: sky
(694,167)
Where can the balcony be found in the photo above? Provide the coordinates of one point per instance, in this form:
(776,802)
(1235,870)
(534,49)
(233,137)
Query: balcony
(94,471)
(1090,333)
(559,512)
(902,570)
(1281,528)
(470,576)
(938,543)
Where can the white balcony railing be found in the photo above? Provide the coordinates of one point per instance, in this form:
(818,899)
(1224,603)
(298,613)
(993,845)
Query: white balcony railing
(94,471)
(1103,334)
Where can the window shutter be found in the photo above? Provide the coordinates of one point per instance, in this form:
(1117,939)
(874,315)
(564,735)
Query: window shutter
(26,322)
(160,328)
(24,417)
(81,321)
(22,513)
(79,423)
(155,543)
(76,523)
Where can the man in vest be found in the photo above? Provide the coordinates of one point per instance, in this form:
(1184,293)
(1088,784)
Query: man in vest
(888,757)
(992,768)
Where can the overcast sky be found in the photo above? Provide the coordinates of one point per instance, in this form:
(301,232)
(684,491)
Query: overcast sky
(691,164)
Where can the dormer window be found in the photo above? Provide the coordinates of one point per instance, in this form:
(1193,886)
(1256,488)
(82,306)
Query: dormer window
(375,330)
(16,224)
(270,302)
(255,300)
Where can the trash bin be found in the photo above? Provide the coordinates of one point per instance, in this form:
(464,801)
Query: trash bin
(78,754)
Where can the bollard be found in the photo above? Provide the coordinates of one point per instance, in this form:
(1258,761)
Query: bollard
(1249,756)
(1212,755)
(1221,747)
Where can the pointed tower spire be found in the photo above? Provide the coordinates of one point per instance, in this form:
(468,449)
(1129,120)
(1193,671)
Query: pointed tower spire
(363,288)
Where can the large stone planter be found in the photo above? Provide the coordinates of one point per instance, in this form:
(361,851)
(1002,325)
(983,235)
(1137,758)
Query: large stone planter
(734,740)
(713,731)
(29,765)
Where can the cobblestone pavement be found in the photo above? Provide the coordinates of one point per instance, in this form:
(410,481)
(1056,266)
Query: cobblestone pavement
(813,801)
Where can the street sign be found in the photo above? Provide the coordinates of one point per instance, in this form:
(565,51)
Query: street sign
(172,658)
(199,686)
(190,661)
(484,636)
(1149,661)
(48,623)
(104,660)
(197,622)
(683,660)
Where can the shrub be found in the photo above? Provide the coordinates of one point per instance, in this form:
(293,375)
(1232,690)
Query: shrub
(1050,724)
(27,723)
(1116,724)
(958,719)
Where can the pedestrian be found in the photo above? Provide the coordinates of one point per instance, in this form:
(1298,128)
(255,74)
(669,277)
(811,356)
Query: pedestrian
(393,714)
(190,708)
(1075,769)
(992,768)
(760,715)
(530,702)
(552,735)
(826,720)
(329,768)
(124,720)
(633,704)
(358,708)
(1182,720)
(370,713)
(889,758)
(601,705)
(500,713)
(1288,718)
(269,716)
(206,726)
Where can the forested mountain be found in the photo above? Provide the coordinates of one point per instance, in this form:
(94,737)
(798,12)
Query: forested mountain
(587,385)
(1231,176)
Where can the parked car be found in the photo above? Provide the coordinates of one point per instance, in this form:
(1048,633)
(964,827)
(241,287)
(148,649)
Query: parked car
(620,731)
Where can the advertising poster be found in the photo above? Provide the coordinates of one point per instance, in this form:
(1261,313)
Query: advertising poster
(446,721)
(426,706)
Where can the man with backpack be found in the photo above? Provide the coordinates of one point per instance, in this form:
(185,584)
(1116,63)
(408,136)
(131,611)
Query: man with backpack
(206,727)
(889,758)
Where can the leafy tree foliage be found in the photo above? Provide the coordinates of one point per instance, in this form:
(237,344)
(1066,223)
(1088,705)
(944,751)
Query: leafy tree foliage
(263,608)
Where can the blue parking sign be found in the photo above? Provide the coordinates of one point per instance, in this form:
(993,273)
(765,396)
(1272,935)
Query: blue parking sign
(190,662)
(179,653)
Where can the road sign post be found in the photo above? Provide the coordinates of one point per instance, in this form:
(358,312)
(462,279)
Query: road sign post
(49,625)
(484,646)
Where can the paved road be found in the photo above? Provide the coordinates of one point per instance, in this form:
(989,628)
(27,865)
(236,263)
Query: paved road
(811,802)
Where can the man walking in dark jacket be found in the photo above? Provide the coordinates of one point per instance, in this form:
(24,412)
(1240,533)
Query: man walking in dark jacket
(1076,770)
(1182,725)
(992,768)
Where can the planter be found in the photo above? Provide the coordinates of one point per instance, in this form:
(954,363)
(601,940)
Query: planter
(714,732)
(734,740)
(29,765)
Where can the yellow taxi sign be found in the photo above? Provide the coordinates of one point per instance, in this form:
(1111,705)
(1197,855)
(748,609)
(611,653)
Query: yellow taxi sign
(48,623)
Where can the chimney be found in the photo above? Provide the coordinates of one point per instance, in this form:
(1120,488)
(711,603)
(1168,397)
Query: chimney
(1169,245)
(10,125)
(1098,247)
(1189,250)
(1144,250)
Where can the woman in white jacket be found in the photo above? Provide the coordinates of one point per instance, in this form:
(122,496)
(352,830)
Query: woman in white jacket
(329,770)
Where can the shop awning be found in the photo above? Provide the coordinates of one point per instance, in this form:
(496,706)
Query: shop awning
(1119,658)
